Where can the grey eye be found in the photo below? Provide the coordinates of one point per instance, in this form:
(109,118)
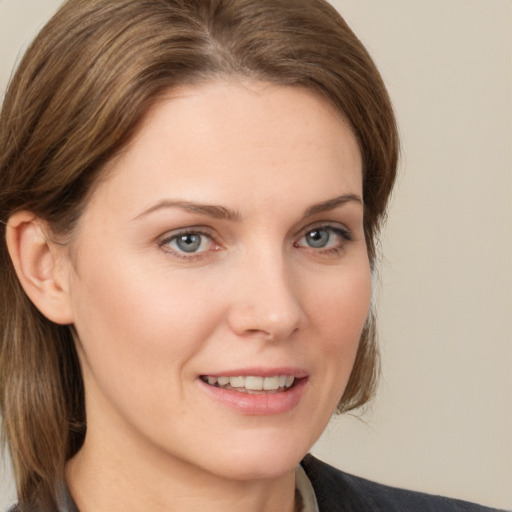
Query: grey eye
(190,242)
(317,238)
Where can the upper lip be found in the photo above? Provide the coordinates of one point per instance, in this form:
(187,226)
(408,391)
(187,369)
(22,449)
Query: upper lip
(298,373)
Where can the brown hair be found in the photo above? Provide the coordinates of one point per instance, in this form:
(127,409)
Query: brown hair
(77,98)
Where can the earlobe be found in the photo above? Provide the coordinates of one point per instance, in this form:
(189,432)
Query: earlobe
(39,264)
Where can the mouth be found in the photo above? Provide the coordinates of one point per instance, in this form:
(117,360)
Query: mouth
(252,384)
(257,392)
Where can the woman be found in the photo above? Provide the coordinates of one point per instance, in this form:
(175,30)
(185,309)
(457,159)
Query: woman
(190,197)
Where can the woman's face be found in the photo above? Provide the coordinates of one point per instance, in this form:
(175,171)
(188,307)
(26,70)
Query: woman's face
(224,252)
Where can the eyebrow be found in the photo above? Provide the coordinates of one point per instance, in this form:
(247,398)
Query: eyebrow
(223,213)
(332,204)
(210,210)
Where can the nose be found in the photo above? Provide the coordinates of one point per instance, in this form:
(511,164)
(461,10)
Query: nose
(266,302)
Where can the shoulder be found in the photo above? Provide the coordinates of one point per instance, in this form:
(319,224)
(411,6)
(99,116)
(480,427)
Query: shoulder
(337,491)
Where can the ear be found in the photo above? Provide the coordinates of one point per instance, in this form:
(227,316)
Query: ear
(42,266)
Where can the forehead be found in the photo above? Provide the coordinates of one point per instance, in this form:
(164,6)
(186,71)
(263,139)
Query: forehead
(250,138)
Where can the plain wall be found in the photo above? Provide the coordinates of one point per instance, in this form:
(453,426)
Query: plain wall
(442,421)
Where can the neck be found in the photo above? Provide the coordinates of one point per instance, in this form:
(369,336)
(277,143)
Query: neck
(105,476)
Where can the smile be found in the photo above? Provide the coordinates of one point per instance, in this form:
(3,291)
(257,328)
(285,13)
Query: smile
(251,384)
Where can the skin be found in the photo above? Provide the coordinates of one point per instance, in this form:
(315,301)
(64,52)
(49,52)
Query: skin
(151,319)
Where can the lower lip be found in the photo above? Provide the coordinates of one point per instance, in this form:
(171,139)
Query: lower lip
(261,404)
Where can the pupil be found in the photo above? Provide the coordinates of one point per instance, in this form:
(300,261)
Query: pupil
(189,243)
(317,238)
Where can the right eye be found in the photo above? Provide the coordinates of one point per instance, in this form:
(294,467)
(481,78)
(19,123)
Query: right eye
(188,243)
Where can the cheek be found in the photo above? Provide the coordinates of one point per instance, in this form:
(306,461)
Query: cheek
(138,336)
(129,322)
(340,307)
(340,311)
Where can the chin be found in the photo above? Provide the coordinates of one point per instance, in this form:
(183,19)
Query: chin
(260,461)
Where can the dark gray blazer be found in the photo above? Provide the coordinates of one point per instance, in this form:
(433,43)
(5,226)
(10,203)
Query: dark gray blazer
(340,492)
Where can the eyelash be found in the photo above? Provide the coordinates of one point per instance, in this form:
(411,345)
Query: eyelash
(164,243)
(342,232)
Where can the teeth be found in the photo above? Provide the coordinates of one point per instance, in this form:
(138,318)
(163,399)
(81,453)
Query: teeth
(271,383)
(252,383)
(237,382)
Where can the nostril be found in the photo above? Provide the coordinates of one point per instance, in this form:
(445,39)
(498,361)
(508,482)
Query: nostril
(267,336)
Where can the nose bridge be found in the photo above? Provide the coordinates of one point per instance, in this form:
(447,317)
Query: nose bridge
(267,301)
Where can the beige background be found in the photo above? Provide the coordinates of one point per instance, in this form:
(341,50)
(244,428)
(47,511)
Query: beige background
(442,422)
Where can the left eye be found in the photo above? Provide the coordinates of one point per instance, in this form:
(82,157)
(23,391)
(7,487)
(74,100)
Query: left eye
(189,243)
(324,237)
